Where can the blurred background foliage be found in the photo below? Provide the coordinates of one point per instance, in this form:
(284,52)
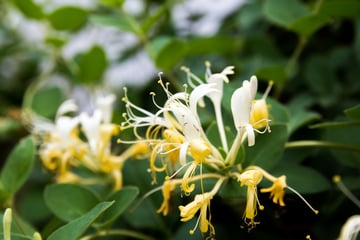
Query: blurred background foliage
(54,50)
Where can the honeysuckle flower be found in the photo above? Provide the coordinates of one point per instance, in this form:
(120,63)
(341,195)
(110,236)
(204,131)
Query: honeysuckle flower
(277,190)
(251,178)
(350,230)
(167,187)
(241,104)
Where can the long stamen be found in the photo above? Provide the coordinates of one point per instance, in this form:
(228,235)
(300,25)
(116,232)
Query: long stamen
(345,190)
(304,200)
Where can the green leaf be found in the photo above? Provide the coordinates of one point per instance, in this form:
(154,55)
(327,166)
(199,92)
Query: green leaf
(92,65)
(74,229)
(307,25)
(68,18)
(345,135)
(69,201)
(167,52)
(46,101)
(279,114)
(284,12)
(214,44)
(29,9)
(154,18)
(340,8)
(18,165)
(268,148)
(303,179)
(275,73)
(353,113)
(118,21)
(301,118)
(122,200)
(113,3)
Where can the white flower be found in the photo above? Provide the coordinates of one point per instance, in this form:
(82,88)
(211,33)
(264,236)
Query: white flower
(241,103)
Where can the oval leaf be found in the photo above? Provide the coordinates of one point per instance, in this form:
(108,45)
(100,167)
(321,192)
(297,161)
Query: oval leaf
(74,229)
(18,165)
(268,148)
(68,18)
(122,200)
(69,201)
(92,65)
(29,9)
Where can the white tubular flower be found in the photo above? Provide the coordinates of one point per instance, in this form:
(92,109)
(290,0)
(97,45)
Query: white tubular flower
(64,127)
(105,105)
(241,103)
(91,128)
(350,230)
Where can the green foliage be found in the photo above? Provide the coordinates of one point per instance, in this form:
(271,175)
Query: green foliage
(68,18)
(18,166)
(75,228)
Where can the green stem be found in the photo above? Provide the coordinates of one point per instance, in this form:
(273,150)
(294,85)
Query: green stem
(117,232)
(323,144)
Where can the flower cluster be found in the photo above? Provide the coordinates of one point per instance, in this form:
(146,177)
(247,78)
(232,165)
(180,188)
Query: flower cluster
(78,141)
(181,149)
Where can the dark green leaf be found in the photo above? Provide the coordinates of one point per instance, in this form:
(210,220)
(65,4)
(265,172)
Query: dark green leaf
(353,113)
(122,200)
(69,201)
(340,8)
(92,65)
(268,148)
(214,44)
(18,165)
(307,25)
(154,18)
(74,229)
(29,9)
(345,135)
(68,18)
(305,180)
(301,118)
(284,12)
(274,73)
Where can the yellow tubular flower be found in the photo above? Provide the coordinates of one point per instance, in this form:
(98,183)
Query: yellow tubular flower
(251,178)
(201,202)
(167,188)
(174,139)
(277,190)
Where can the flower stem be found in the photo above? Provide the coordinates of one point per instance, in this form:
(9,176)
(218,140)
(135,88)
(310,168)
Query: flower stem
(323,144)
(119,232)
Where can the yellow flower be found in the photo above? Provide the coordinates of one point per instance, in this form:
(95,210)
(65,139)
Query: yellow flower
(277,190)
(259,116)
(251,178)
(201,202)
(167,188)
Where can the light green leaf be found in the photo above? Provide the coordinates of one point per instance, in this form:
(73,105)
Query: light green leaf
(118,21)
(68,18)
(353,113)
(167,52)
(18,165)
(122,200)
(74,229)
(113,3)
(268,148)
(46,101)
(69,201)
(29,9)
(284,12)
(92,65)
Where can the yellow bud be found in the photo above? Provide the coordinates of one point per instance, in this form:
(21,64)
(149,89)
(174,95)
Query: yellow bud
(259,114)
